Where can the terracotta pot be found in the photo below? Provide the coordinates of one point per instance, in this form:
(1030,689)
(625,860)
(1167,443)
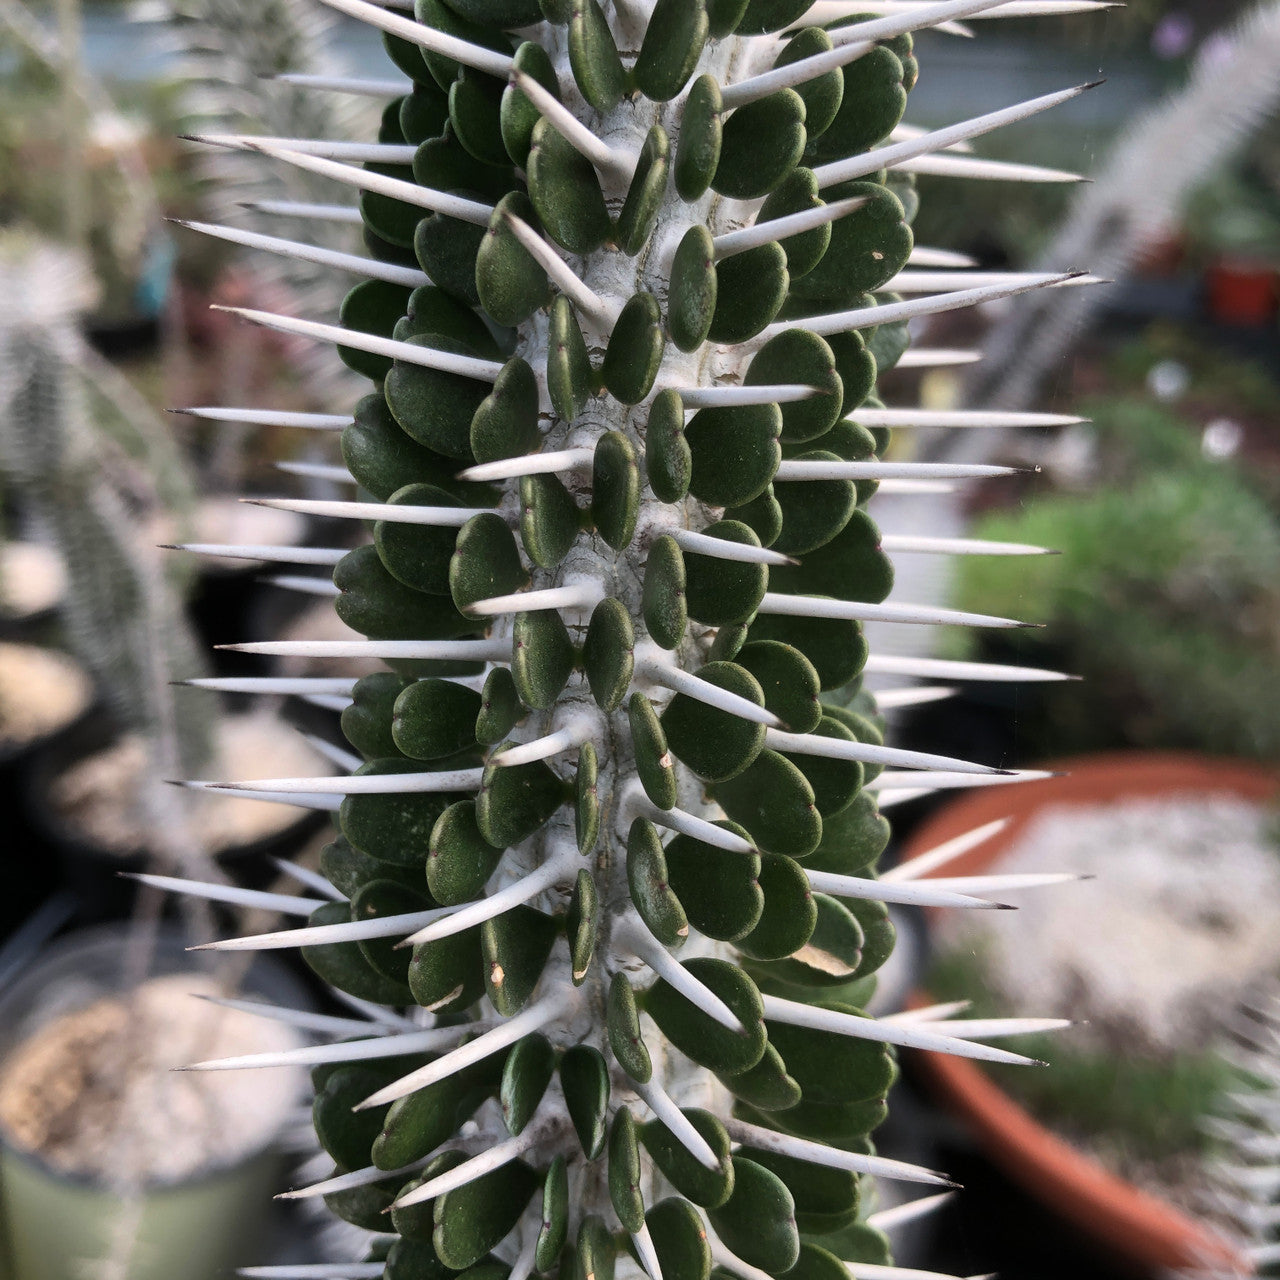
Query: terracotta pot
(1241,292)
(1143,1233)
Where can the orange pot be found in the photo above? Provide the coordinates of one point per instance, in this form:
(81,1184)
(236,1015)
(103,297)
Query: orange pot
(1141,1231)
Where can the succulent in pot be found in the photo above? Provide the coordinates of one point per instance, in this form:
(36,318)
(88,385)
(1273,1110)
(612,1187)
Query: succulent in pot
(611,834)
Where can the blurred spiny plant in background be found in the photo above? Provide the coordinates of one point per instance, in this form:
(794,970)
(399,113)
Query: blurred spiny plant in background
(1244,1133)
(84,461)
(604,891)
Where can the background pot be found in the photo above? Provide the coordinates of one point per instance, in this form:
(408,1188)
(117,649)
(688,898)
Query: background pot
(1140,1230)
(198,1228)
(91,870)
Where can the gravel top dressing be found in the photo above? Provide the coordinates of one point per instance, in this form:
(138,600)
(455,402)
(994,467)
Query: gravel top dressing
(93,1092)
(1152,958)
(1155,950)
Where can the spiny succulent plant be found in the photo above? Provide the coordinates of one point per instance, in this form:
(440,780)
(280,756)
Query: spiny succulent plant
(605,890)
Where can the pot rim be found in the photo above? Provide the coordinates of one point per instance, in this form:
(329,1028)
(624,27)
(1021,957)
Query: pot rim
(1140,1227)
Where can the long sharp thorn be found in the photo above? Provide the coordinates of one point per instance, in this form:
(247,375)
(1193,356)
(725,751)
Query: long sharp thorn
(307,586)
(831,1157)
(328,472)
(333,753)
(908,417)
(948,669)
(425,37)
(536,1016)
(522,1268)
(824,11)
(730,1262)
(901,131)
(870,1271)
(929,305)
(907,895)
(345,84)
(468,916)
(571,129)
(974,168)
(671,971)
(938,139)
(272,684)
(553,744)
(660,1103)
(306,210)
(917,488)
(924,783)
(409,352)
(933,1012)
(946,852)
(320,934)
(328,804)
(731,397)
(693,686)
(257,899)
(940,281)
(312,879)
(900,1214)
(704,544)
(582,595)
(495,1157)
(315,1271)
(559,271)
(802,1015)
(532,464)
(858,611)
(386,784)
(344,1051)
(990,1028)
(915,696)
(774,229)
(350,152)
(699,828)
(868,752)
(321,1023)
(270,418)
(921,256)
(937,358)
(261,551)
(899,542)
(853,42)
(426,650)
(391,512)
(647,1254)
(803,469)
(357,1178)
(473,211)
(1007,883)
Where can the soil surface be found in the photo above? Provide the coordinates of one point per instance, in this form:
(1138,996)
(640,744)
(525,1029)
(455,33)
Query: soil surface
(94,1092)
(41,691)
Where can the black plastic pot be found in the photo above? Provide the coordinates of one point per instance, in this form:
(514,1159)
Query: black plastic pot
(92,871)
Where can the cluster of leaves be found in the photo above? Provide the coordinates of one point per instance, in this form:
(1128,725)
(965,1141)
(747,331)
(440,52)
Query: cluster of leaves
(740,881)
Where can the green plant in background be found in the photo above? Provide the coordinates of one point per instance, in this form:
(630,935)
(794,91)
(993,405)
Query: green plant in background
(1164,597)
(629,288)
